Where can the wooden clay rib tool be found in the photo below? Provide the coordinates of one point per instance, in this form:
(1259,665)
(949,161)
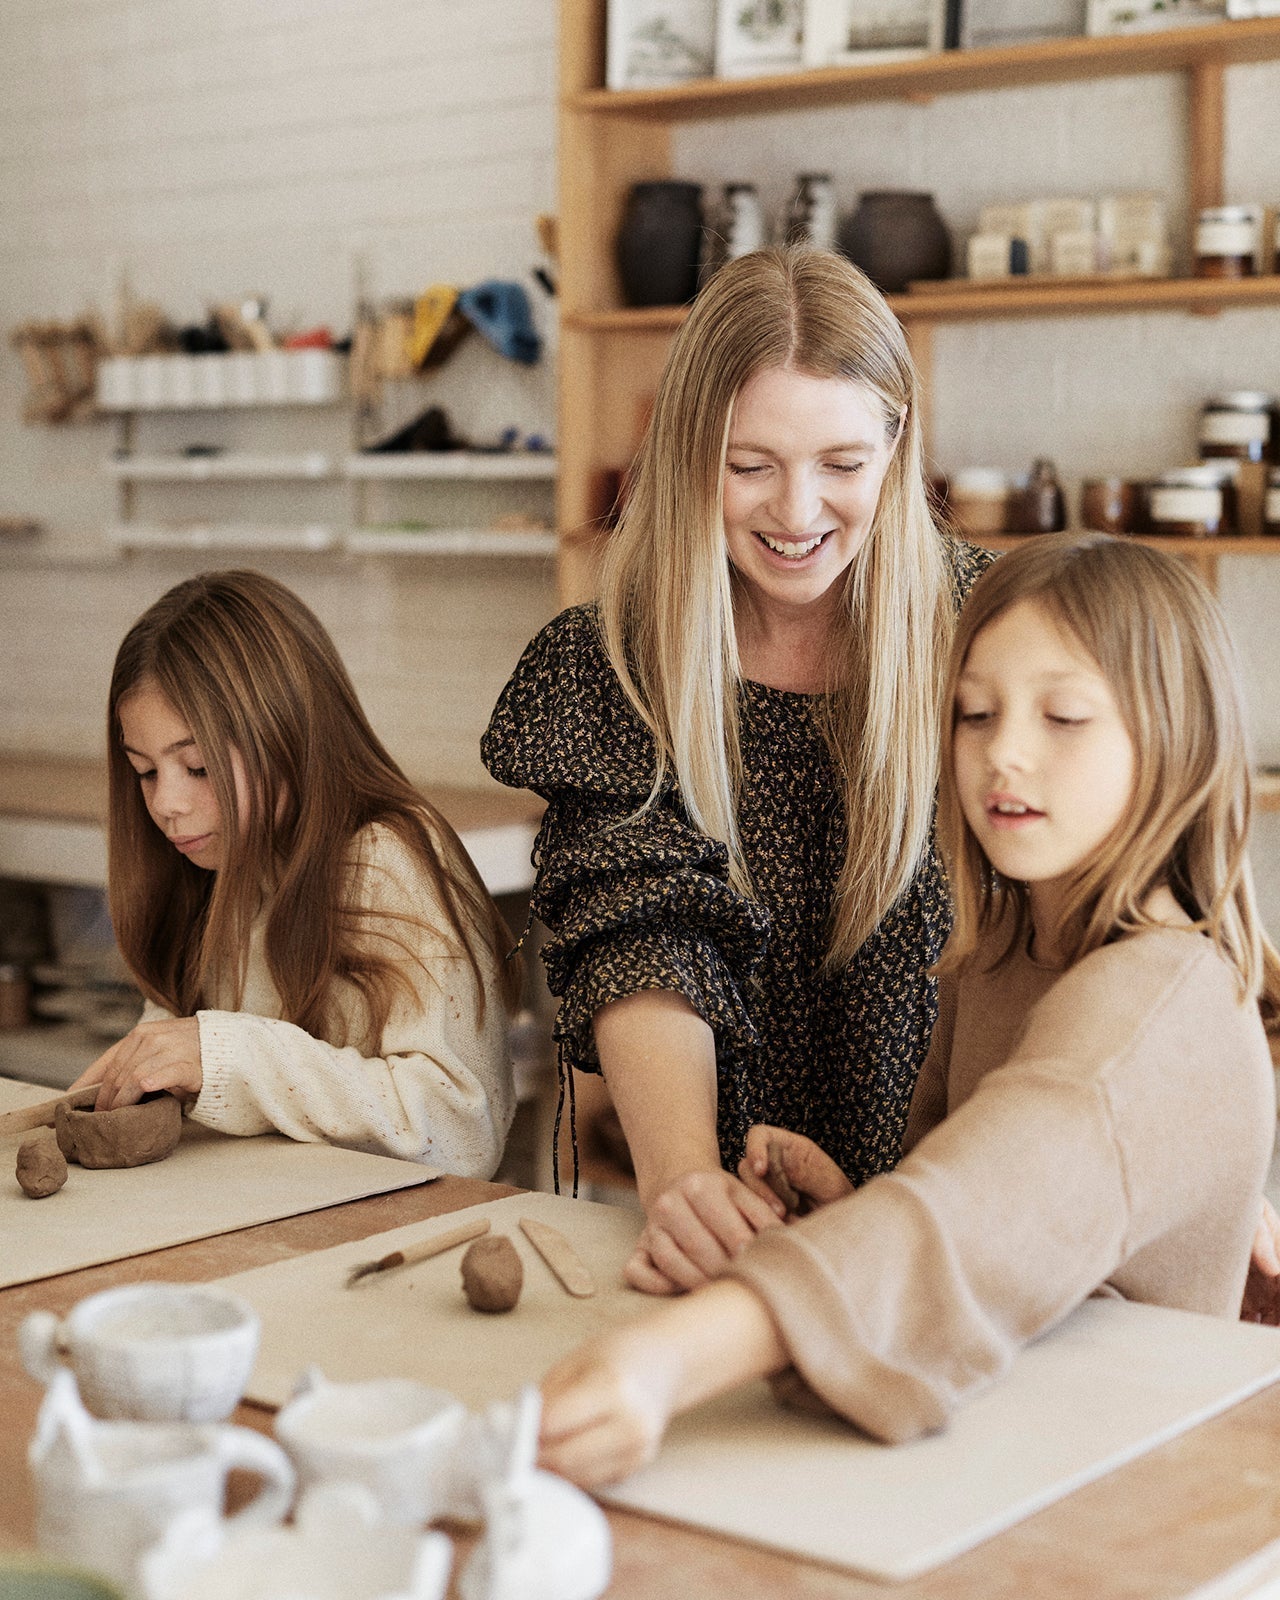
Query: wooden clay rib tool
(41,1115)
(412,1253)
(560,1256)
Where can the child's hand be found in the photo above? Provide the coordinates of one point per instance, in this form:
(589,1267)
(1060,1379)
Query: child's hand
(779,1162)
(155,1055)
(1262,1286)
(606,1406)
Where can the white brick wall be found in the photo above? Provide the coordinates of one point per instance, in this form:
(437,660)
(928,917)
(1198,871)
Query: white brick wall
(264,146)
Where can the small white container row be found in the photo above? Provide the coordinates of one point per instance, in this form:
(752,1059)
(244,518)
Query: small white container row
(212,382)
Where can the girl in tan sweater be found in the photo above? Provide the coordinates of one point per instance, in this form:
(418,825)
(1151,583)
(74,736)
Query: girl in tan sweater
(317,951)
(1097,1110)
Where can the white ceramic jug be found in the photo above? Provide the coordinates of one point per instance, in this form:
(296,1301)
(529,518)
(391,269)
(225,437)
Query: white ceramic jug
(106,1491)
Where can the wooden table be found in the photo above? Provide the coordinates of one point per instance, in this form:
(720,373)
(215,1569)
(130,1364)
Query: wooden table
(1161,1527)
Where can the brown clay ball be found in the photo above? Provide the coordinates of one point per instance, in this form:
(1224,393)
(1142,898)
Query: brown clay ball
(492,1276)
(128,1136)
(42,1169)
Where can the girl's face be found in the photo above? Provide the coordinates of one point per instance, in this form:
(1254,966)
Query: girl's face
(175,785)
(803,471)
(1044,765)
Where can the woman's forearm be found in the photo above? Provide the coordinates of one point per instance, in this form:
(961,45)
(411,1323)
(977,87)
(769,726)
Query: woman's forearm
(658,1058)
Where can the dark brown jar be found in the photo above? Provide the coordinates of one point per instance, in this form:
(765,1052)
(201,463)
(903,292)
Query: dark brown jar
(1271,505)
(1238,427)
(1227,240)
(1193,502)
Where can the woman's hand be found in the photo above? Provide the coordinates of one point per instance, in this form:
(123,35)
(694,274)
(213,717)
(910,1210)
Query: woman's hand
(155,1055)
(1262,1286)
(694,1228)
(779,1162)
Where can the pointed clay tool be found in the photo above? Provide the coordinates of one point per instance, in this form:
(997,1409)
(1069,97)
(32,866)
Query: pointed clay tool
(412,1253)
(560,1256)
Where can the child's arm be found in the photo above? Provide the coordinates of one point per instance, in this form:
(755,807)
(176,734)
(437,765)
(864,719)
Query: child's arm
(439,1088)
(606,1406)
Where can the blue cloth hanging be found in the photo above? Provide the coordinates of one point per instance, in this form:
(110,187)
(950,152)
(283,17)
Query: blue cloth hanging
(500,311)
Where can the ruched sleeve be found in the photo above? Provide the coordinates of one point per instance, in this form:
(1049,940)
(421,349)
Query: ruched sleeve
(634,896)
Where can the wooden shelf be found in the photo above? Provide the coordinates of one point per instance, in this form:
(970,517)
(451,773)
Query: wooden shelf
(949,72)
(220,536)
(1226,546)
(1201,296)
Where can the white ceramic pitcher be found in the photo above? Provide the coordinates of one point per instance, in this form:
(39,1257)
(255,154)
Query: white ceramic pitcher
(107,1491)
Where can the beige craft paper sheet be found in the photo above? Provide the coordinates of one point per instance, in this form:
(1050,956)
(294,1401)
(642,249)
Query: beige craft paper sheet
(1114,1380)
(210,1184)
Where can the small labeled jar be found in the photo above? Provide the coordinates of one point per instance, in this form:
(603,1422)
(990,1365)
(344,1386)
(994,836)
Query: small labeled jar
(15,994)
(1271,505)
(1194,502)
(978,500)
(1239,426)
(1227,239)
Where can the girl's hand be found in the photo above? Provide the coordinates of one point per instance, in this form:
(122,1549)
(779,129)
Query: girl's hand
(606,1406)
(155,1055)
(695,1227)
(778,1160)
(1262,1286)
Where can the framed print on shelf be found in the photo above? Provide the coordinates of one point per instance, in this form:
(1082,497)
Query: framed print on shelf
(657,42)
(758,36)
(842,31)
(985,24)
(1149,16)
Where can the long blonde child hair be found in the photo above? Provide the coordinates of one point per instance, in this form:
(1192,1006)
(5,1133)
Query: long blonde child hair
(1160,641)
(249,668)
(667,585)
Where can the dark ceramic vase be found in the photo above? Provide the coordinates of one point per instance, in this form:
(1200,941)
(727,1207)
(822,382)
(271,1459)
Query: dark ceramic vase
(896,236)
(659,243)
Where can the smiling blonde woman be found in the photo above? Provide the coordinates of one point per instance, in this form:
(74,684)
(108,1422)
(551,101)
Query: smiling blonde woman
(739,750)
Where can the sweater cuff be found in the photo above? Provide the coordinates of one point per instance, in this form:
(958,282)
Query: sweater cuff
(219,1104)
(826,1345)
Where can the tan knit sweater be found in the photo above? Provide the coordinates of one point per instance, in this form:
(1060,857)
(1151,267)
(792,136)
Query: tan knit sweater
(1105,1127)
(436,1087)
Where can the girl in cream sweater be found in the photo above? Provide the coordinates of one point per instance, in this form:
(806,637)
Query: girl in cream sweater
(317,951)
(1096,1113)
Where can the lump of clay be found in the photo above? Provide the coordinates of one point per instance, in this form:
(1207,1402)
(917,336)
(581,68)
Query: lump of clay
(128,1136)
(492,1276)
(42,1168)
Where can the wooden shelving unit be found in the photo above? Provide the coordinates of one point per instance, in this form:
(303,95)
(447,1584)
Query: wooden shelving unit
(610,357)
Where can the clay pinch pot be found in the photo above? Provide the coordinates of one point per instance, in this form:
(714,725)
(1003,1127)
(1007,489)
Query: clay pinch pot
(128,1136)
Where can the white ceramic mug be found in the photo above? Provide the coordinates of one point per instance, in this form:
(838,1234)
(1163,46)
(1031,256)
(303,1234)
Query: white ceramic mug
(394,1436)
(107,1491)
(155,1352)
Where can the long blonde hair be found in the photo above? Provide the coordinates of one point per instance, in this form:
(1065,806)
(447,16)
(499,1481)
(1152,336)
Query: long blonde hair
(667,586)
(1160,641)
(249,668)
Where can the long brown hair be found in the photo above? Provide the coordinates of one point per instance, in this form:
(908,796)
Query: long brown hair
(249,668)
(667,590)
(1160,641)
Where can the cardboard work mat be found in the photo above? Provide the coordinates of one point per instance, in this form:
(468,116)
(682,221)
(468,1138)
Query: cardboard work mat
(1112,1381)
(212,1183)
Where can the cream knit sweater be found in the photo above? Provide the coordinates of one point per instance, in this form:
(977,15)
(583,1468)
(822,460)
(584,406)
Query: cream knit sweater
(1107,1127)
(438,1090)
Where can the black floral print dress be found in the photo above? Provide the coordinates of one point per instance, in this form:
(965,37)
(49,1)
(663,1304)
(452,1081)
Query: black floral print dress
(646,904)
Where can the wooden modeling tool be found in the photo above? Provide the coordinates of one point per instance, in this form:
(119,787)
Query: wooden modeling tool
(42,1114)
(448,1240)
(560,1256)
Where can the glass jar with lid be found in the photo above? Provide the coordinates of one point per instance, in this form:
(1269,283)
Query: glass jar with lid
(1240,426)
(1194,502)
(1227,240)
